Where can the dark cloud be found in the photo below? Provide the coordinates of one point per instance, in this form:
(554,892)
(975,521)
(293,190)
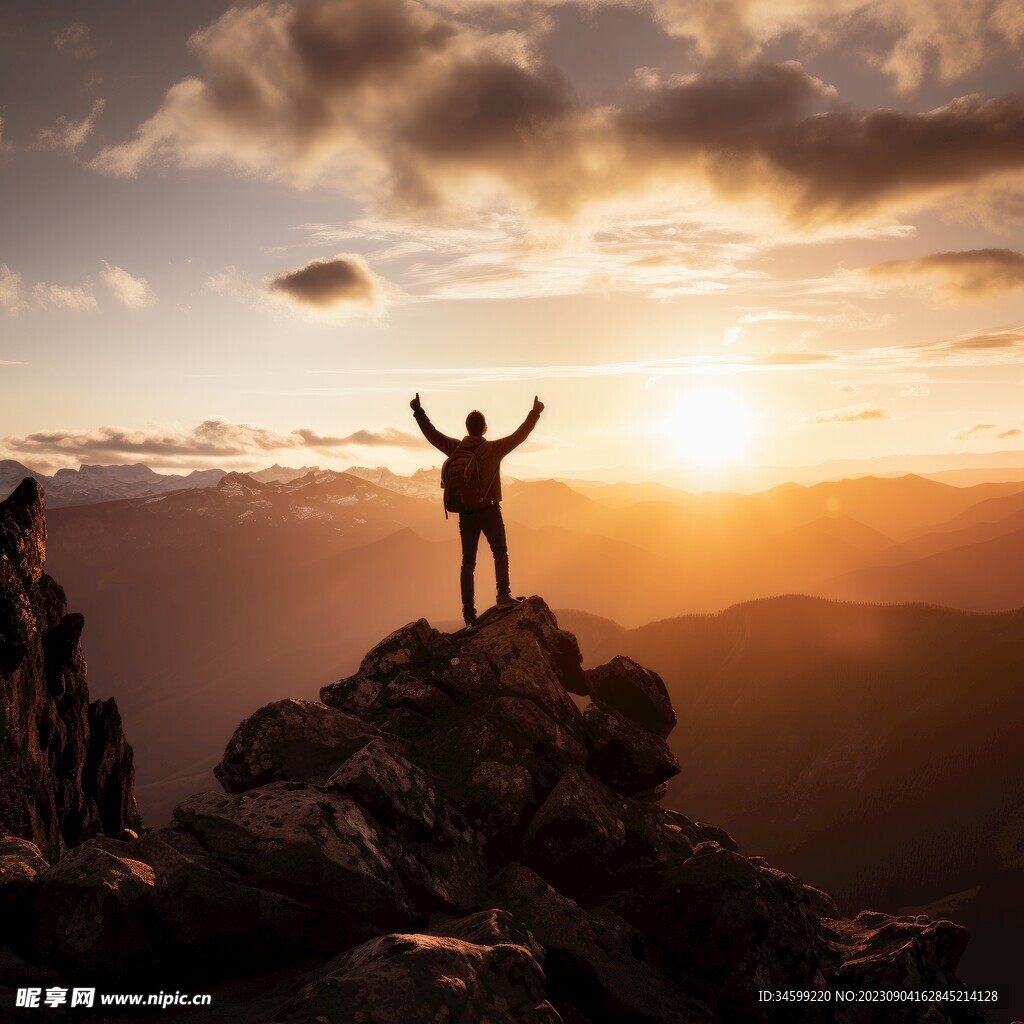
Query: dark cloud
(972,273)
(407,107)
(324,283)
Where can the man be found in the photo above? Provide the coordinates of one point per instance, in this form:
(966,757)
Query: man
(482,461)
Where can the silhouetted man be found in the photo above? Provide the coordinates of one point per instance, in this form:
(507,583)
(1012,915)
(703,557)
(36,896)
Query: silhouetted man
(472,482)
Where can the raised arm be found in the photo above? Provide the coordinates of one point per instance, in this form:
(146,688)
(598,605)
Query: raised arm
(503,445)
(440,441)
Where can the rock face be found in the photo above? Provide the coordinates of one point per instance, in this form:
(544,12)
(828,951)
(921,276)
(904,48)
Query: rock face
(66,769)
(447,837)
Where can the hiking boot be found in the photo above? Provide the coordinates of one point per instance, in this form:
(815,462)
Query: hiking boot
(506,599)
(469,617)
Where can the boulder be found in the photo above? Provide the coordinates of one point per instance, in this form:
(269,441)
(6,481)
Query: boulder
(595,961)
(634,691)
(21,868)
(394,790)
(499,799)
(405,649)
(577,837)
(424,979)
(884,951)
(730,927)
(624,755)
(306,843)
(506,730)
(88,907)
(210,919)
(290,740)
(21,864)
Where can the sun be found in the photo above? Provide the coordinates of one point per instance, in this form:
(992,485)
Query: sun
(711,426)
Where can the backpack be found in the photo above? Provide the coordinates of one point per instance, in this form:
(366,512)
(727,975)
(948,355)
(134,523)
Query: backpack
(460,478)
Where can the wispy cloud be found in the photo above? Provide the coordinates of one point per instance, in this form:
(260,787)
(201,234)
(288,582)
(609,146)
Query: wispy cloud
(75,40)
(860,413)
(65,135)
(996,347)
(131,291)
(974,273)
(987,431)
(78,298)
(12,292)
(212,441)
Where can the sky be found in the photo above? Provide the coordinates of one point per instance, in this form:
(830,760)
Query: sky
(712,238)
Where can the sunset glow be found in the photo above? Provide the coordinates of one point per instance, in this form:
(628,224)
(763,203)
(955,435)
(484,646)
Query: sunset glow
(711,426)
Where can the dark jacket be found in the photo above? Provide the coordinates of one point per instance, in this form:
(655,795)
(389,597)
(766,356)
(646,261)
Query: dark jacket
(489,453)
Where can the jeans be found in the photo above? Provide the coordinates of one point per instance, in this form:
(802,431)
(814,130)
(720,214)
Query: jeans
(487,521)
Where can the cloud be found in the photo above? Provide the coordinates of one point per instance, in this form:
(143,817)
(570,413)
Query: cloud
(986,431)
(66,136)
(974,273)
(848,389)
(209,441)
(75,40)
(390,438)
(328,282)
(848,414)
(12,296)
(133,292)
(772,315)
(77,298)
(915,391)
(905,40)
(413,111)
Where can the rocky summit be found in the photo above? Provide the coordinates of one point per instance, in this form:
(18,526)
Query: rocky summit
(448,837)
(66,770)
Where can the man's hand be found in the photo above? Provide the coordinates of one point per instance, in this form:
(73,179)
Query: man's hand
(538,405)
(415,403)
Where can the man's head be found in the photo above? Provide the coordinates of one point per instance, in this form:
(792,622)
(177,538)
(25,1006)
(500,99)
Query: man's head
(476,425)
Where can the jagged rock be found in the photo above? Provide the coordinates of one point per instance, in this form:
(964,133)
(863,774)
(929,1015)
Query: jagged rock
(206,917)
(395,791)
(499,797)
(393,661)
(624,755)
(729,928)
(576,838)
(450,774)
(880,951)
(22,866)
(424,979)
(516,652)
(88,910)
(634,691)
(290,740)
(492,927)
(591,957)
(698,831)
(303,842)
(654,795)
(437,856)
(21,863)
(65,767)
(506,730)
